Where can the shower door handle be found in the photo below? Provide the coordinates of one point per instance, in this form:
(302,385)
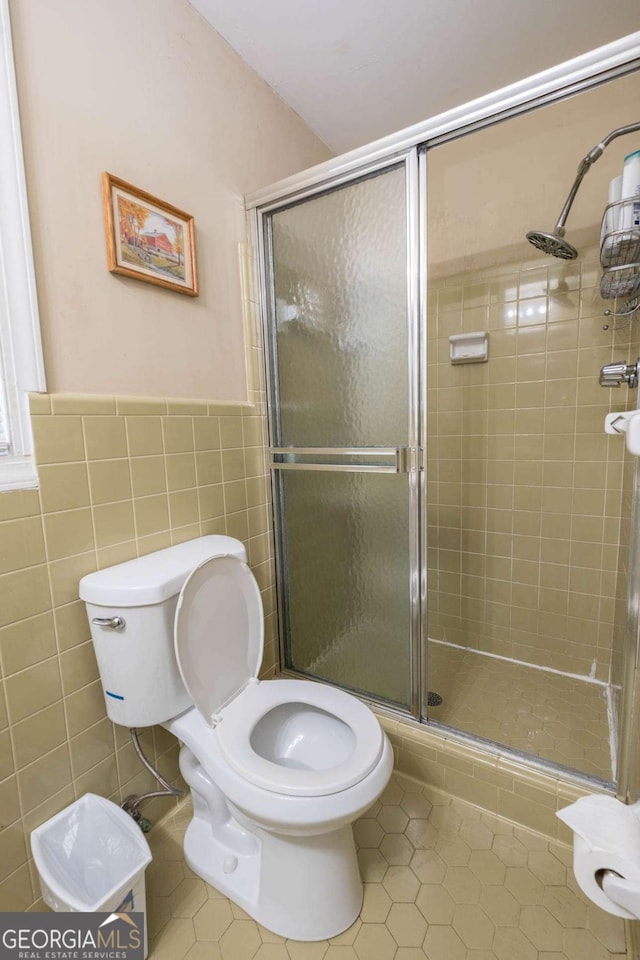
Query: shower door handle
(403,459)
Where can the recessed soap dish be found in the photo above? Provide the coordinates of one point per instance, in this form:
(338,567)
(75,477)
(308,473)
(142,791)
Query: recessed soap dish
(469,347)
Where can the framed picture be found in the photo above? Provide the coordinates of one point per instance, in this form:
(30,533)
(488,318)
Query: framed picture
(147,238)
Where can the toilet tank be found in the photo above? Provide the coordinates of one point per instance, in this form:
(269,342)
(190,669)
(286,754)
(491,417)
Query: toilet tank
(135,653)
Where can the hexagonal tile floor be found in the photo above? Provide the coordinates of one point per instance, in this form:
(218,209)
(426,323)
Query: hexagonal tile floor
(443,881)
(552,716)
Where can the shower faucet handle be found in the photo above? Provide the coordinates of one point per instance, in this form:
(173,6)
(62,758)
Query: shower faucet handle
(615,374)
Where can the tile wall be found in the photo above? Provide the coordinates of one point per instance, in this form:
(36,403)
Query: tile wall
(119,478)
(528,499)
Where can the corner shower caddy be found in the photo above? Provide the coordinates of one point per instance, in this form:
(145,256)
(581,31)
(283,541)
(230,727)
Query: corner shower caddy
(620,257)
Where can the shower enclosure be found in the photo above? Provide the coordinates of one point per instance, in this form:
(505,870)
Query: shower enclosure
(453,538)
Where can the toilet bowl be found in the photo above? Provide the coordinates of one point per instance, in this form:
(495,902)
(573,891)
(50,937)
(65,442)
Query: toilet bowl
(278,769)
(287,858)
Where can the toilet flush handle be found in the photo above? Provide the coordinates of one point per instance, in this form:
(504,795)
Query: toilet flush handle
(114,623)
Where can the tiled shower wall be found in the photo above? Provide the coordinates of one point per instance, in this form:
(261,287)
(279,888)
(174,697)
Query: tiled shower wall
(118,478)
(528,498)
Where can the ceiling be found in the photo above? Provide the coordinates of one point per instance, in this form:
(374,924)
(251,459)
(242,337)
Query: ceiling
(357,70)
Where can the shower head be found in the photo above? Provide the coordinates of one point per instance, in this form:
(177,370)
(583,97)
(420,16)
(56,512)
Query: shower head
(553,244)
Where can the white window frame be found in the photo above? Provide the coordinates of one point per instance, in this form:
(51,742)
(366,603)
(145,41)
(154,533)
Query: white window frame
(21,360)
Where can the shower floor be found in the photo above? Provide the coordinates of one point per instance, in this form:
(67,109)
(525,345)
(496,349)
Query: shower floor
(559,718)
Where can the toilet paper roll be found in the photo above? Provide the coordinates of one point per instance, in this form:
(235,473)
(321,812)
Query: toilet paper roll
(607,837)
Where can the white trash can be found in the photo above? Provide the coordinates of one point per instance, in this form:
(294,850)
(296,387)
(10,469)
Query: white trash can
(92,857)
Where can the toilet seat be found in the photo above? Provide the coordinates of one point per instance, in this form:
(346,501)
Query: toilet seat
(239,719)
(219,642)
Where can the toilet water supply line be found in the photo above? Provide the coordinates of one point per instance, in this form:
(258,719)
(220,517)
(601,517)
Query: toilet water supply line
(132,803)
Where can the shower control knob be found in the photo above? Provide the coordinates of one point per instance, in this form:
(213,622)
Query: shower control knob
(615,374)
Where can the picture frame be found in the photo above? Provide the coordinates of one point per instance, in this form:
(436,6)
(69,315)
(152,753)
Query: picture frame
(147,238)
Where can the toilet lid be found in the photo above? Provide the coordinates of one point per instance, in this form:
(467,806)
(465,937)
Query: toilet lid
(219,632)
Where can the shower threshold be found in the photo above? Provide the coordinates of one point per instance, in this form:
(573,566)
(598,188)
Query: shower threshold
(561,718)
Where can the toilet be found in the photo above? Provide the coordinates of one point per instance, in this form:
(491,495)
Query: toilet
(278,769)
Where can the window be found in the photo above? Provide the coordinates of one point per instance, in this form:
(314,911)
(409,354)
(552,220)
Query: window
(21,364)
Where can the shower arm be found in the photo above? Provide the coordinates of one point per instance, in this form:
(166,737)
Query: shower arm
(585,164)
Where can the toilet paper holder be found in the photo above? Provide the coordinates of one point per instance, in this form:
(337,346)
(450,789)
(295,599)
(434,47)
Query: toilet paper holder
(624,893)
(606,852)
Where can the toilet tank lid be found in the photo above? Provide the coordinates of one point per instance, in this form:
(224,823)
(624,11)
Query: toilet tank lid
(156,576)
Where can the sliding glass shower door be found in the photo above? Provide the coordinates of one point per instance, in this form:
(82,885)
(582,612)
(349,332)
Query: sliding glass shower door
(342,336)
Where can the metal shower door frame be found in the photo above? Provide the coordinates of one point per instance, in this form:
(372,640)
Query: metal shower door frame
(407,460)
(589,70)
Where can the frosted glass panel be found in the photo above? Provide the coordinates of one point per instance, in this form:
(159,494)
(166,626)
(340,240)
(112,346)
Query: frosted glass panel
(339,316)
(340,302)
(345,538)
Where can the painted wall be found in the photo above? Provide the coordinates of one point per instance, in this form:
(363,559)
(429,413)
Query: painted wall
(151,93)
